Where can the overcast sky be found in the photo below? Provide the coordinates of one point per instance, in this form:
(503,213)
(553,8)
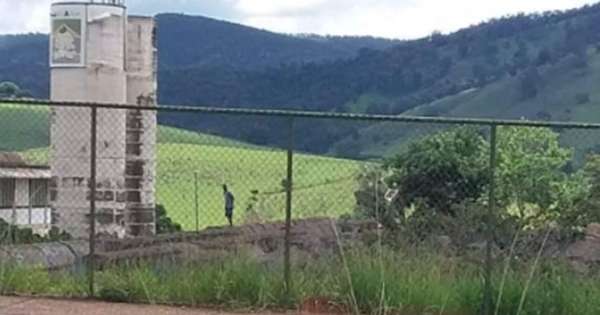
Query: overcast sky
(387,18)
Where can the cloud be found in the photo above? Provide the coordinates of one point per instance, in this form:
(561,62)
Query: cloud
(387,18)
(23,16)
(214,8)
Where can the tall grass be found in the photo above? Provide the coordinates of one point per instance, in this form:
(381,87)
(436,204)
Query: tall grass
(415,283)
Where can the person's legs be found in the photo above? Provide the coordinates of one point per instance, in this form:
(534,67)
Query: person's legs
(230,218)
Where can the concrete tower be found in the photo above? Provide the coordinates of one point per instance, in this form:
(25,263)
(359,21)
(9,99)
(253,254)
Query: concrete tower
(89,62)
(140,126)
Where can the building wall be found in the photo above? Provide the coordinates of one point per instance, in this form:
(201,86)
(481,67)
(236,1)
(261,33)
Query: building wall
(101,79)
(141,126)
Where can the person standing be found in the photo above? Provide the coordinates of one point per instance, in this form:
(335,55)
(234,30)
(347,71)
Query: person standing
(229,204)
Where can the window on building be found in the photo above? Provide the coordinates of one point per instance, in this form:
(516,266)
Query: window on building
(7,192)
(38,192)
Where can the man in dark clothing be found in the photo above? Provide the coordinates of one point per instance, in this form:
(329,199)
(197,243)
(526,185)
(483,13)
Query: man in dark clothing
(229,203)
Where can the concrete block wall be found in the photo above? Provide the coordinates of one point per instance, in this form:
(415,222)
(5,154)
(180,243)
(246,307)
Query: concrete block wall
(141,126)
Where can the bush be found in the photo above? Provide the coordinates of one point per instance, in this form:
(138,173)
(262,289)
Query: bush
(164,224)
(441,170)
(10,234)
(450,169)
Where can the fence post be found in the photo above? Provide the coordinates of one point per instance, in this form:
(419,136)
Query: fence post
(487,298)
(92,241)
(288,210)
(196,214)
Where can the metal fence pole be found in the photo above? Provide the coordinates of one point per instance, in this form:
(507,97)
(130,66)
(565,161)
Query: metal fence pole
(487,298)
(288,210)
(92,241)
(197,216)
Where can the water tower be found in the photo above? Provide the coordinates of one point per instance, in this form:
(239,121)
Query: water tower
(99,54)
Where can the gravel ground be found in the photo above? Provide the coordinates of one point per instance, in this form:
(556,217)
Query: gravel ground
(31,306)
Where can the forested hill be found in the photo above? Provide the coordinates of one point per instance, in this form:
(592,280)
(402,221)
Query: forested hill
(510,62)
(401,77)
(193,42)
(525,52)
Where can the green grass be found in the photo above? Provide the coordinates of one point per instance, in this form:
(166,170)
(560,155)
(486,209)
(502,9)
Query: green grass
(417,283)
(27,127)
(322,186)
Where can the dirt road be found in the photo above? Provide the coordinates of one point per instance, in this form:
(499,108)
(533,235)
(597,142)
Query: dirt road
(28,306)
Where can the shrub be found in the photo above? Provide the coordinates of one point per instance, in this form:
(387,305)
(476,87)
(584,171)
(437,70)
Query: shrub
(164,224)
(441,170)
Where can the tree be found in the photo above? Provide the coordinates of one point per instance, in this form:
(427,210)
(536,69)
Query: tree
(544,57)
(446,170)
(530,165)
(8,89)
(441,170)
(529,83)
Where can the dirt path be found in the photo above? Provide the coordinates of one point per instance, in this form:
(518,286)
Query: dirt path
(29,306)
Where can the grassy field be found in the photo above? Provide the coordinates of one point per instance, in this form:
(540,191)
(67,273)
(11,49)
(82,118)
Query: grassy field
(28,127)
(323,186)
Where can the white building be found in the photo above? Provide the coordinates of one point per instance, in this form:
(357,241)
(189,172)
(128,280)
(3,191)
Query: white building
(100,54)
(24,198)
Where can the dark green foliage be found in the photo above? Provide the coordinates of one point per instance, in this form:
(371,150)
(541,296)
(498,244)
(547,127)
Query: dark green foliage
(164,224)
(580,202)
(445,169)
(8,89)
(113,295)
(530,81)
(544,57)
(442,177)
(195,41)
(10,234)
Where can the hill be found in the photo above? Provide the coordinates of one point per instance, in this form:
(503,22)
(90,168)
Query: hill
(195,42)
(254,174)
(192,42)
(28,127)
(517,52)
(564,91)
(395,80)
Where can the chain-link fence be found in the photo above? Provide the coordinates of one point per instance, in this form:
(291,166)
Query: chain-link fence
(327,212)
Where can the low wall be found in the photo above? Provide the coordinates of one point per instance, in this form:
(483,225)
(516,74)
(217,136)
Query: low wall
(309,239)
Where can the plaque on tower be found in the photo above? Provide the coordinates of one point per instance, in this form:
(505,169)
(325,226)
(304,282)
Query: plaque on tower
(67,42)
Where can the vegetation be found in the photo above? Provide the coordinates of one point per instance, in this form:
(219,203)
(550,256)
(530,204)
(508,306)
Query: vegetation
(28,127)
(441,184)
(11,90)
(372,283)
(539,66)
(10,234)
(322,186)
(164,224)
(254,174)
